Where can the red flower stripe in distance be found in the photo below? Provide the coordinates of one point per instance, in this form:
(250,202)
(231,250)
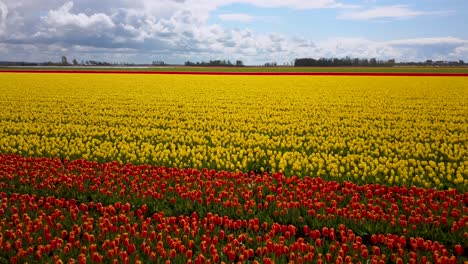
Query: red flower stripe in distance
(415,74)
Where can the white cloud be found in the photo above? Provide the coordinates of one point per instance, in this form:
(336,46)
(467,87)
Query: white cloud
(202,8)
(353,47)
(429,41)
(386,12)
(295,4)
(416,49)
(64,18)
(239,17)
(460,52)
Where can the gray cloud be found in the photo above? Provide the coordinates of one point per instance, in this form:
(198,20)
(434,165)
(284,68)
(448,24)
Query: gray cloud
(3,16)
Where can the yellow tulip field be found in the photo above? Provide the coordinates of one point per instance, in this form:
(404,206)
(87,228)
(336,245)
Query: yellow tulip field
(400,131)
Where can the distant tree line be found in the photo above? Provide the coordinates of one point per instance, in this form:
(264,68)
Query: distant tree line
(97,63)
(270,64)
(222,63)
(18,63)
(435,63)
(364,62)
(347,61)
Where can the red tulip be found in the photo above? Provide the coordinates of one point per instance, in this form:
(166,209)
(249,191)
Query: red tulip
(458,249)
(376,250)
(318,242)
(232,255)
(131,248)
(325,231)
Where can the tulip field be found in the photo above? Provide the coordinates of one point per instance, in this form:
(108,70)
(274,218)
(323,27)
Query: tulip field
(169,168)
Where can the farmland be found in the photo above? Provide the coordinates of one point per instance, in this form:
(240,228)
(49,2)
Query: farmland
(251,69)
(104,167)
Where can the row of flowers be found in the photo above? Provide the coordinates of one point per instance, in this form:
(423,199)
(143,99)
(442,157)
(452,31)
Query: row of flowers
(272,198)
(49,229)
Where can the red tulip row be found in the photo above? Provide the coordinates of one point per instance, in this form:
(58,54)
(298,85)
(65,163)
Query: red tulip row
(263,207)
(367,209)
(45,229)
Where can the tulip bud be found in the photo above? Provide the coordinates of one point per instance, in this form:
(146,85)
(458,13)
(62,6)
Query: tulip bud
(458,249)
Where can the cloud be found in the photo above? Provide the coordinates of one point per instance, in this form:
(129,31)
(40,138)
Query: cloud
(354,47)
(387,12)
(415,49)
(443,48)
(202,8)
(235,17)
(179,30)
(250,47)
(3,16)
(459,52)
(294,4)
(429,41)
(63,19)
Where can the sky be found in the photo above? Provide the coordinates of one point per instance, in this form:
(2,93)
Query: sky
(254,31)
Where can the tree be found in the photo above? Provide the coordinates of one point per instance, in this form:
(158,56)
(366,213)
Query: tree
(75,62)
(64,60)
(239,63)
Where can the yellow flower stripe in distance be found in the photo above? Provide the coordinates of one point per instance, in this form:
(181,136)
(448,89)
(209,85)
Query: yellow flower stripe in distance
(389,130)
